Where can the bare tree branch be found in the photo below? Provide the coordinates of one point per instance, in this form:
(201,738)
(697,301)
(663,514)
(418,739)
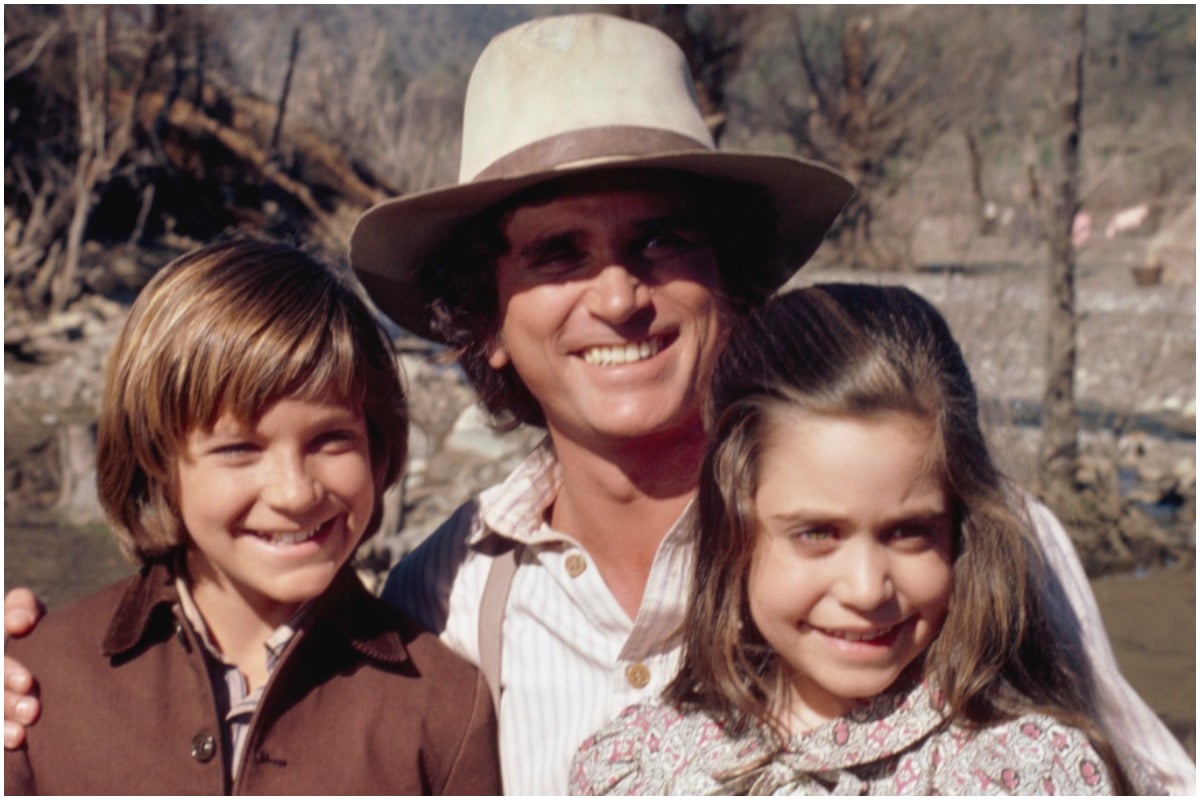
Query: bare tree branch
(34,53)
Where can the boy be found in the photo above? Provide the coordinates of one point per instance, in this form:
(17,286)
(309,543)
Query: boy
(253,417)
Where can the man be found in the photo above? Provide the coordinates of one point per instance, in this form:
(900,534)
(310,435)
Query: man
(585,271)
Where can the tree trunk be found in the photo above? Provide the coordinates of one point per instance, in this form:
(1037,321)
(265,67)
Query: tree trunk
(1060,424)
(91,63)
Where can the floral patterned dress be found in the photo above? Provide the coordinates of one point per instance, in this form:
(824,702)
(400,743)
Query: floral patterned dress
(896,745)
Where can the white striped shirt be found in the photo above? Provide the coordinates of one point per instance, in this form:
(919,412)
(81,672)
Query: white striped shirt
(1152,757)
(571,656)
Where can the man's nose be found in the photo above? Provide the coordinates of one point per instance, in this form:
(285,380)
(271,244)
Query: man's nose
(617,293)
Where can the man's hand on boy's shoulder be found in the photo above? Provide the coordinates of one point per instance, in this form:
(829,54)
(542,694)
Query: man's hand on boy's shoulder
(21,613)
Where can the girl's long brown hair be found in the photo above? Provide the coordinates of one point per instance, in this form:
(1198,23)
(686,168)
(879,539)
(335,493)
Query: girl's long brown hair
(845,349)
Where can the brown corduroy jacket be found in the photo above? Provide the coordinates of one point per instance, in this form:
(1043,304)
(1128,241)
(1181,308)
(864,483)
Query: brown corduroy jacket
(362,702)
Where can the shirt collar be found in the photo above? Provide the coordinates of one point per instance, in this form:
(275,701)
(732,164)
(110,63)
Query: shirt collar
(516,508)
(275,643)
(346,608)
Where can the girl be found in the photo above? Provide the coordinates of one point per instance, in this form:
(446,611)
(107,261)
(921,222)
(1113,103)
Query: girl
(865,619)
(253,417)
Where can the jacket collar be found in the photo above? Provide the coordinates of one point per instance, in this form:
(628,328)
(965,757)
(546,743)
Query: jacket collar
(346,608)
(153,587)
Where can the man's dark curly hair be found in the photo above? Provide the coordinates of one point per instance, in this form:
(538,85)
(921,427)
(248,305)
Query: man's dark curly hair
(461,277)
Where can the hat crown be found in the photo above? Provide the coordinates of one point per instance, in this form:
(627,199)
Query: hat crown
(560,77)
(574,95)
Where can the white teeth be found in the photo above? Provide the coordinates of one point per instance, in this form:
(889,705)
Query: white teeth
(622,354)
(860,636)
(295,537)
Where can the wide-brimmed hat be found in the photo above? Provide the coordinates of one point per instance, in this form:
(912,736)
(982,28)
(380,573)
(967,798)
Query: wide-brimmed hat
(564,95)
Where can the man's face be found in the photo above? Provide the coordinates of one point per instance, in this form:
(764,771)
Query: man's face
(611,311)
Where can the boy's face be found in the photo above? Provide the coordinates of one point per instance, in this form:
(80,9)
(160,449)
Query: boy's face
(275,507)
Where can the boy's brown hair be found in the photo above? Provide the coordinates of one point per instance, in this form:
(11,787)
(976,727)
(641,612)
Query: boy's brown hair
(234,327)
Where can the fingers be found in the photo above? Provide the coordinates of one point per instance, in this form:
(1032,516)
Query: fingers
(20,707)
(21,612)
(14,735)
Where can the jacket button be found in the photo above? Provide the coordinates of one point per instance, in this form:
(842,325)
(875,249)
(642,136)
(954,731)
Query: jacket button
(204,747)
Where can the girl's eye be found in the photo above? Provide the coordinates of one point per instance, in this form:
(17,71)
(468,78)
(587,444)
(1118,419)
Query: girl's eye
(918,535)
(813,534)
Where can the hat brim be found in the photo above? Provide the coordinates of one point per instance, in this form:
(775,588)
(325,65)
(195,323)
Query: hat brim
(393,239)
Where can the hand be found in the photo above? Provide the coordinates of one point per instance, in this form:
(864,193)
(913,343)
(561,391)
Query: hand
(21,613)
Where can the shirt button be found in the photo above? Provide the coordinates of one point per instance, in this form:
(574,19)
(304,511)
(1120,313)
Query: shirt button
(638,675)
(204,747)
(576,564)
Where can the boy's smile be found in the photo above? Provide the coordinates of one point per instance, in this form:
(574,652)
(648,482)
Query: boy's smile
(275,507)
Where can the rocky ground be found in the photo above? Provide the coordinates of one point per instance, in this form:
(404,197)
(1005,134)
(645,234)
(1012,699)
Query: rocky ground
(1136,384)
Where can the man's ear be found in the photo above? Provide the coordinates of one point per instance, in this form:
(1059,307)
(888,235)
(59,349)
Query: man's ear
(497,353)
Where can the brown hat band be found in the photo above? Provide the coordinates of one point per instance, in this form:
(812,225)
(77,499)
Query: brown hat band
(602,142)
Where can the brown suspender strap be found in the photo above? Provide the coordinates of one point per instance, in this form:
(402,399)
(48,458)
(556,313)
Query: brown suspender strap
(491,617)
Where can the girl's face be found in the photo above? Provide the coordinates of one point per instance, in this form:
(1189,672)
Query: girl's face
(274,508)
(851,572)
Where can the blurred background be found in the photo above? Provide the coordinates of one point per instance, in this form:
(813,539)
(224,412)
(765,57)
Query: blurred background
(999,152)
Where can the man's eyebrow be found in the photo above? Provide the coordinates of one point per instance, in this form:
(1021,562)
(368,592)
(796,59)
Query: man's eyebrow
(682,219)
(549,242)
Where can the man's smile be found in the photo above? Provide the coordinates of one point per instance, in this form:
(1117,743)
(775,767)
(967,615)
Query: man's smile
(612,355)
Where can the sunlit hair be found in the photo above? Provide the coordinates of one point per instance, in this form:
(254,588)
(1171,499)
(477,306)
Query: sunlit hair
(461,277)
(234,328)
(854,350)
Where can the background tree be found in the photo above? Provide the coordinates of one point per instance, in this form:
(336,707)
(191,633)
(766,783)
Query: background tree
(123,124)
(867,90)
(1059,452)
(62,140)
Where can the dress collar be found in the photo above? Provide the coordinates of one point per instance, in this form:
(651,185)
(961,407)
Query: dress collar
(889,724)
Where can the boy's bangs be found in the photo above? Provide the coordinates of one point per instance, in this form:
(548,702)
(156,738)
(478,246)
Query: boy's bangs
(312,360)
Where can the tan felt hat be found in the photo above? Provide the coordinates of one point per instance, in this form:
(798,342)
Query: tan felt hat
(564,95)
